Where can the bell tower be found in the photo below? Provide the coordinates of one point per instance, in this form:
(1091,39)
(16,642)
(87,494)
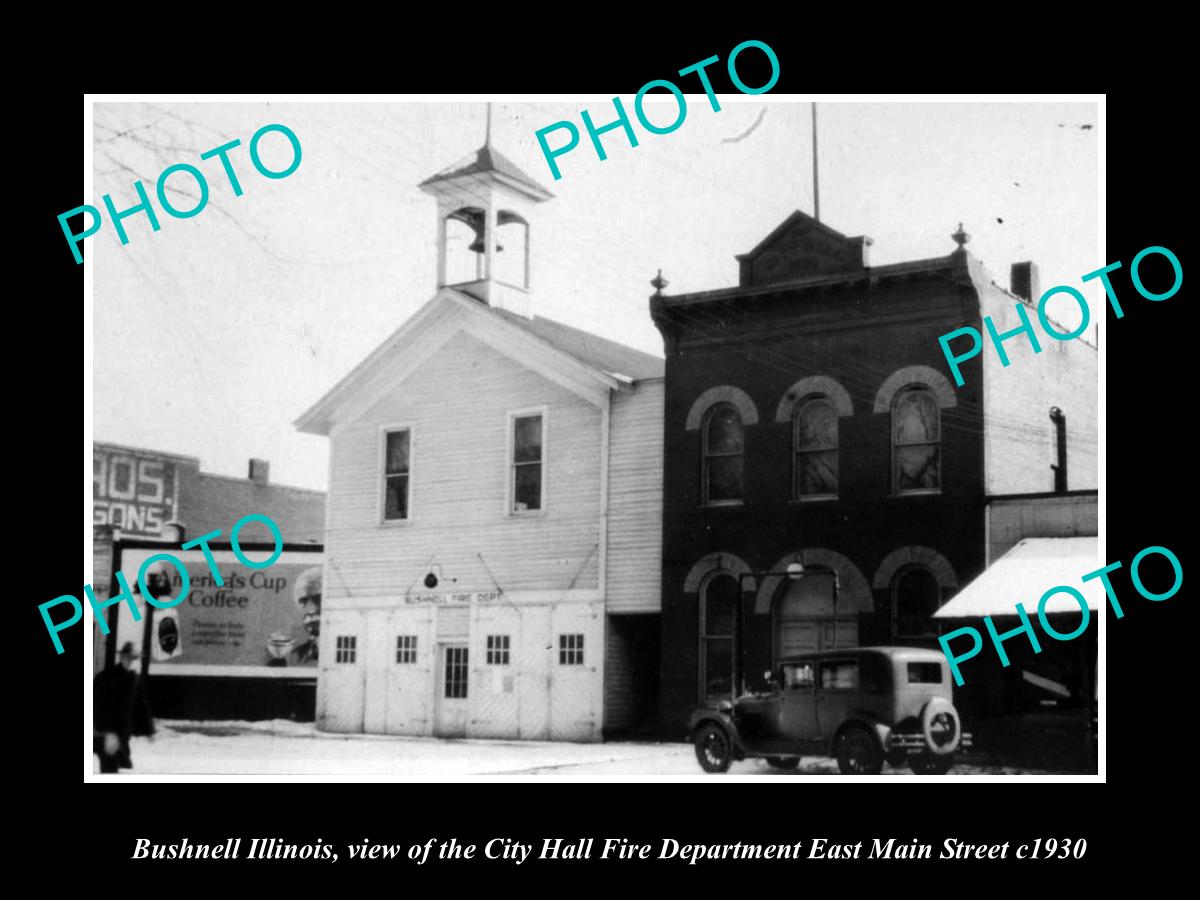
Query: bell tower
(484,202)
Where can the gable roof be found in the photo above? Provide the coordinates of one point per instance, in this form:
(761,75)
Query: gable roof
(597,352)
(799,218)
(484,160)
(583,358)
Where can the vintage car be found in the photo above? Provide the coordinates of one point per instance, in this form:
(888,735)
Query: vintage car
(862,705)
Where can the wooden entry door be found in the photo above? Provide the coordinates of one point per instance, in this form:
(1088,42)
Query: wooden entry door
(805,618)
(452,690)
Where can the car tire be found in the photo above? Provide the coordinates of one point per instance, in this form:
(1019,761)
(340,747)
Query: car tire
(714,749)
(783,762)
(931,765)
(858,753)
(939,715)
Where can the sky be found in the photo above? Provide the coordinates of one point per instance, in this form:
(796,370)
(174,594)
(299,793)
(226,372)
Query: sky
(213,334)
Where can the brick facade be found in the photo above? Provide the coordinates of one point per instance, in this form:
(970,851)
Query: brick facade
(857,339)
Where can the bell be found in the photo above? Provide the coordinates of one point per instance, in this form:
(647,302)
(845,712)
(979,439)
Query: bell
(477,246)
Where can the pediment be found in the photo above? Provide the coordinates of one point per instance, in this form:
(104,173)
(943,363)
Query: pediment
(448,315)
(801,247)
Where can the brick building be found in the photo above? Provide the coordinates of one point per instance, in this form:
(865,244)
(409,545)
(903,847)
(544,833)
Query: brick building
(811,418)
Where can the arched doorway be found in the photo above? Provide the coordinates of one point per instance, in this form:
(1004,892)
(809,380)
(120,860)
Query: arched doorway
(803,616)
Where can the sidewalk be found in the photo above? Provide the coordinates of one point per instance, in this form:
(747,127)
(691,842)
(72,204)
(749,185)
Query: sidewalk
(281,747)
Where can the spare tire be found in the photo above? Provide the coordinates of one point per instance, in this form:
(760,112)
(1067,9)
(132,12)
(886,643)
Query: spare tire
(941,726)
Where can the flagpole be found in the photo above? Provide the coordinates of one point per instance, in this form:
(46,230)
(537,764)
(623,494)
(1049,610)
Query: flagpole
(816,188)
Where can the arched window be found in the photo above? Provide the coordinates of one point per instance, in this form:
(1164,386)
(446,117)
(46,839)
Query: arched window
(916,595)
(916,441)
(719,604)
(723,448)
(815,444)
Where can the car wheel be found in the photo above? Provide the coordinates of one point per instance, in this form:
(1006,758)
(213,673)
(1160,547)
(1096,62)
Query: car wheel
(858,753)
(783,762)
(931,765)
(714,751)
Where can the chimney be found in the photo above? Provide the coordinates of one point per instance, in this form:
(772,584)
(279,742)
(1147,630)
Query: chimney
(1060,449)
(1025,282)
(258,470)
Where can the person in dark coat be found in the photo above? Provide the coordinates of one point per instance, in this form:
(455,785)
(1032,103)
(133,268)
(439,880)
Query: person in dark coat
(120,709)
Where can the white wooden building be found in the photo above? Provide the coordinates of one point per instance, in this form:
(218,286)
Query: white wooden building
(493,535)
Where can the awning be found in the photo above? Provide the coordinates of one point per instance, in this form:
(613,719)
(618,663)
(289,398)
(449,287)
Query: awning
(1025,573)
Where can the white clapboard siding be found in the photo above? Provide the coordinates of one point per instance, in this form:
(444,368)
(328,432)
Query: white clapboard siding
(458,403)
(635,499)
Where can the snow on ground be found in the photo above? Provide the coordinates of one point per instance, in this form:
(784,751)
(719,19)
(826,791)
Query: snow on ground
(281,747)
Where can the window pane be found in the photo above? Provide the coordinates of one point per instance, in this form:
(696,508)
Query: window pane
(917,467)
(724,431)
(818,472)
(396,500)
(527,441)
(837,676)
(925,673)
(816,426)
(527,492)
(718,666)
(397,452)
(725,478)
(798,676)
(916,418)
(720,604)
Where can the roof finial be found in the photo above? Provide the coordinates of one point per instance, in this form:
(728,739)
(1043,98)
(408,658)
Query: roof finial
(487,135)
(960,237)
(658,283)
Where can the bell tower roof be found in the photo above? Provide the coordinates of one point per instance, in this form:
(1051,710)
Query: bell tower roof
(488,161)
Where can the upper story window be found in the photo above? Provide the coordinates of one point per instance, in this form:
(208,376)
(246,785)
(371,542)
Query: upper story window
(815,443)
(527,459)
(916,442)
(397,452)
(723,447)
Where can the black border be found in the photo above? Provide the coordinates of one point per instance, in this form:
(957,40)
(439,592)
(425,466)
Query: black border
(1148,685)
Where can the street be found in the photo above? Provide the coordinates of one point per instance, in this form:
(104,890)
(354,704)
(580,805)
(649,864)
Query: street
(281,747)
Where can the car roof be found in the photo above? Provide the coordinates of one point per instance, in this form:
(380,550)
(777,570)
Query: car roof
(914,654)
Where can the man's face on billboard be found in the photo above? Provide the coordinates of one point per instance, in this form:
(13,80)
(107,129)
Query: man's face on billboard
(310,607)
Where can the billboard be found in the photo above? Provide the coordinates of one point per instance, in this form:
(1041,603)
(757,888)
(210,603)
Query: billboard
(134,491)
(260,622)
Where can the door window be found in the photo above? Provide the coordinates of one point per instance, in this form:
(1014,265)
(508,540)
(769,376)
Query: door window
(456,673)
(798,676)
(839,675)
